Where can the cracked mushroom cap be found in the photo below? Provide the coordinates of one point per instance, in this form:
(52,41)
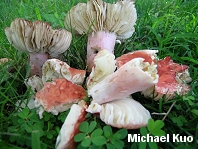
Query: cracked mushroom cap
(148,55)
(122,113)
(37,37)
(173,78)
(58,96)
(96,15)
(54,68)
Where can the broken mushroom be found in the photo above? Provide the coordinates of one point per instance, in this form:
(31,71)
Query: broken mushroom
(58,96)
(104,22)
(122,113)
(69,129)
(54,68)
(35,83)
(148,56)
(39,39)
(104,65)
(136,75)
(173,79)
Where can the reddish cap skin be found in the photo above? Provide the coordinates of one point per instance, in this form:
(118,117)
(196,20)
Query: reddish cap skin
(60,91)
(75,71)
(129,56)
(167,71)
(167,65)
(126,80)
(81,118)
(169,81)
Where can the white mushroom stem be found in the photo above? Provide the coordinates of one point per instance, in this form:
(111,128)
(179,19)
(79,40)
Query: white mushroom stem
(36,62)
(98,41)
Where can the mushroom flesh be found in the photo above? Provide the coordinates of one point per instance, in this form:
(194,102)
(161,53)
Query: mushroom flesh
(136,75)
(104,65)
(54,68)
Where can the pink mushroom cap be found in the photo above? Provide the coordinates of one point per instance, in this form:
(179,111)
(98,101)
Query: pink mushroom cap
(58,96)
(172,79)
(148,56)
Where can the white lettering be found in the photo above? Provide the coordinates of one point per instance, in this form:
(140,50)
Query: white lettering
(139,138)
(167,137)
(175,138)
(189,138)
(182,139)
(156,139)
(149,138)
(162,139)
(132,138)
(143,139)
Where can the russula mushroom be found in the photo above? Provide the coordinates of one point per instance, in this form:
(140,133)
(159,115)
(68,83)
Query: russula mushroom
(39,39)
(58,96)
(104,65)
(69,129)
(173,78)
(104,22)
(54,68)
(148,55)
(136,75)
(122,113)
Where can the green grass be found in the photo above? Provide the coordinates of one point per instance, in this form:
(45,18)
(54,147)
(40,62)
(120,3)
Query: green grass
(170,26)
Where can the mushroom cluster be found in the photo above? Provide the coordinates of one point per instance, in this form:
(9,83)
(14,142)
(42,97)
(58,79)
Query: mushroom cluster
(173,77)
(111,81)
(112,92)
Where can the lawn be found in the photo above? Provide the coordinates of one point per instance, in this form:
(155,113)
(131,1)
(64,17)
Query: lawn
(169,26)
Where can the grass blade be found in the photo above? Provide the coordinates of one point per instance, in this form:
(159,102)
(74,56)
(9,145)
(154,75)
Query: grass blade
(36,140)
